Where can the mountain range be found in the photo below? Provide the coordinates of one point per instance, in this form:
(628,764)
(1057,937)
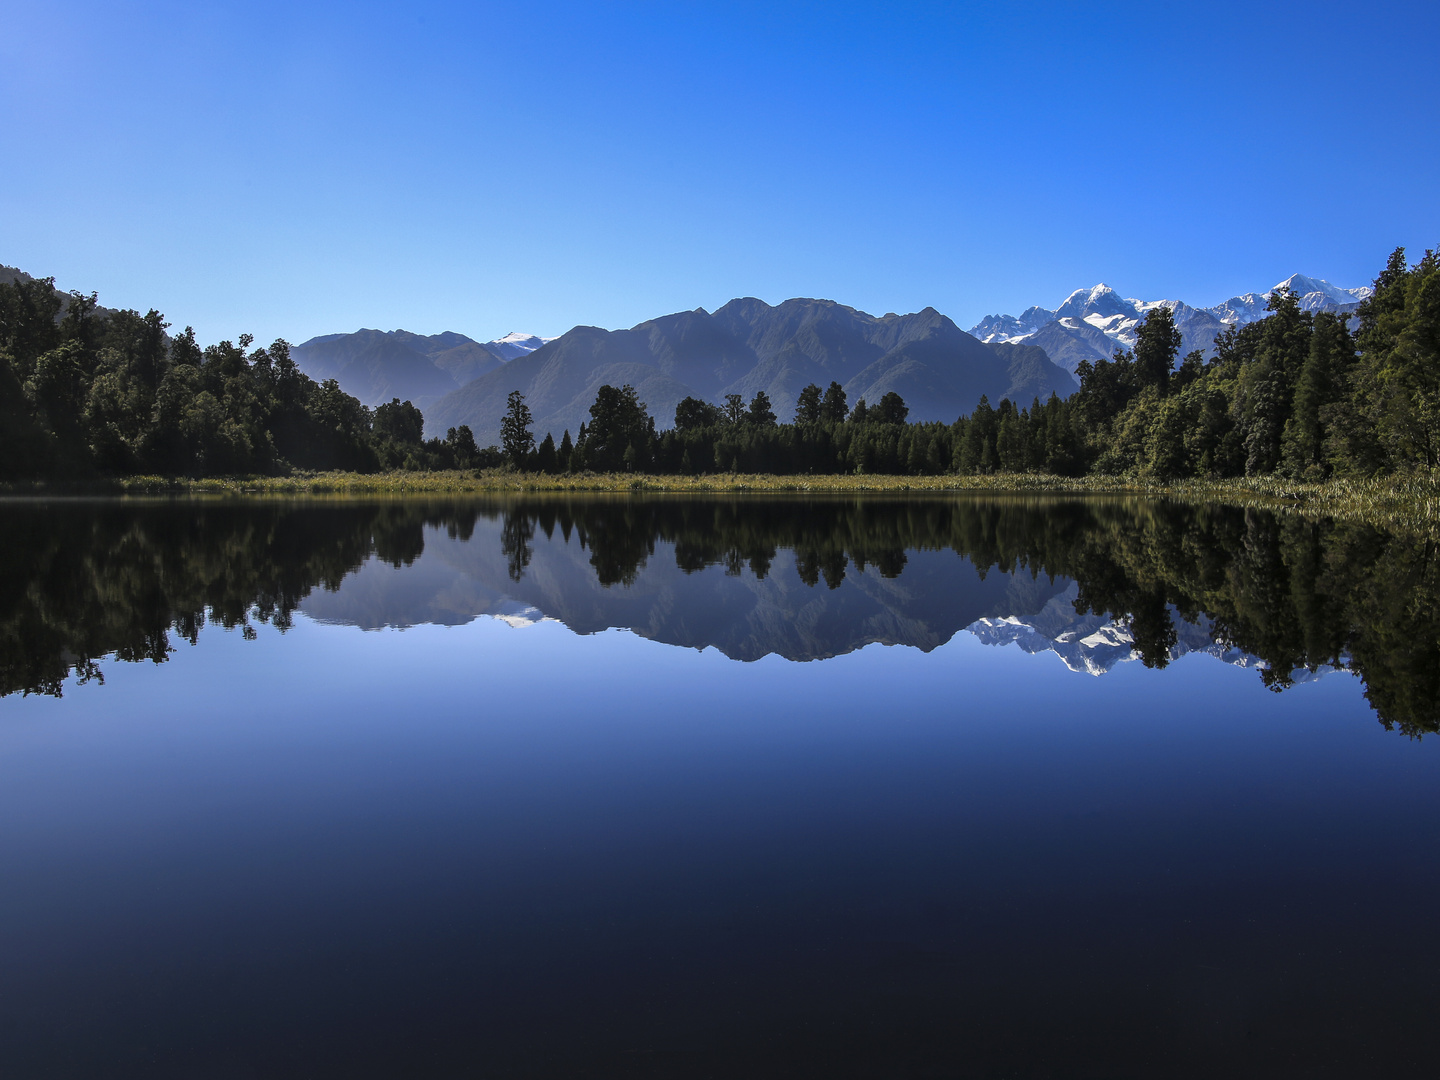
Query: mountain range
(748,346)
(745,616)
(376,365)
(1092,323)
(1095,644)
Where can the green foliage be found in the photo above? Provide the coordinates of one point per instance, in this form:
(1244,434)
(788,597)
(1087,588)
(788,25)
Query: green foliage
(546,459)
(621,433)
(399,422)
(1294,395)
(1156,346)
(808,405)
(87,394)
(692,414)
(84,393)
(1297,395)
(1398,376)
(516,438)
(734,408)
(760,414)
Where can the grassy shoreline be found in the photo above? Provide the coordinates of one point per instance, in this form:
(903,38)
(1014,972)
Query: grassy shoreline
(1413,501)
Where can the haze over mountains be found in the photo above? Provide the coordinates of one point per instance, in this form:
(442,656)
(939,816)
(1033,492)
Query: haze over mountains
(375,365)
(748,346)
(1092,323)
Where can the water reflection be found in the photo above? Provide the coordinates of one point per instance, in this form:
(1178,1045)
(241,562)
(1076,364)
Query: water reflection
(1096,581)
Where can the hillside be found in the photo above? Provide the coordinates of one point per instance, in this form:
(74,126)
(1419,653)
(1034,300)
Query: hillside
(377,365)
(748,346)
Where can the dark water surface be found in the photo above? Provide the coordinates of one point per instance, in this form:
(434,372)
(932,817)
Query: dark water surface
(881,787)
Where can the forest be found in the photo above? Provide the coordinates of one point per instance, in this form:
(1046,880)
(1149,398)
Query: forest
(85,393)
(1299,394)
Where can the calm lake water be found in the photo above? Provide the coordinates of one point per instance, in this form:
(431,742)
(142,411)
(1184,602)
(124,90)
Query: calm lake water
(739,787)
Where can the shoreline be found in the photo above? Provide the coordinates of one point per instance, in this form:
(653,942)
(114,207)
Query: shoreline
(1413,500)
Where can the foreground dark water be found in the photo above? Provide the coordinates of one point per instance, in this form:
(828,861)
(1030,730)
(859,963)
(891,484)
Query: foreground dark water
(394,799)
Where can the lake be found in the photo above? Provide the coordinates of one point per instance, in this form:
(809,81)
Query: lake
(747,786)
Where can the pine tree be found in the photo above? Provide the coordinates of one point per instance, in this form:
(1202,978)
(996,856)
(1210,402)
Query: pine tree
(808,406)
(760,414)
(546,460)
(516,439)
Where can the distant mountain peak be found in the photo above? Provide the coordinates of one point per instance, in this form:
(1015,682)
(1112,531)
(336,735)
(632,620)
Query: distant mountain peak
(514,345)
(376,365)
(1098,300)
(1071,332)
(748,346)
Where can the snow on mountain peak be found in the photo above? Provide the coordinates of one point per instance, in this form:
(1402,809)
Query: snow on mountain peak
(1301,285)
(515,344)
(1101,308)
(1098,300)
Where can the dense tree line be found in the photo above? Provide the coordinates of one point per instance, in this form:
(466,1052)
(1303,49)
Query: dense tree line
(1298,394)
(84,391)
(85,581)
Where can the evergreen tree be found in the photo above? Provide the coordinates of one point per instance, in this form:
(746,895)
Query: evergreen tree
(833,405)
(808,405)
(1303,446)
(578,462)
(546,460)
(693,414)
(516,438)
(399,421)
(620,431)
(1398,381)
(1157,345)
(460,442)
(760,414)
(891,409)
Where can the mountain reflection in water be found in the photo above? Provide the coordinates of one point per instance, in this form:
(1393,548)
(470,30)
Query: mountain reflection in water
(1097,581)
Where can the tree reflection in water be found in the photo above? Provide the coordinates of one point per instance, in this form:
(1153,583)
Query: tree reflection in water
(86,580)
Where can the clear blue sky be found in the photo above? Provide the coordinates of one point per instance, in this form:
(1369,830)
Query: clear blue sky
(293,169)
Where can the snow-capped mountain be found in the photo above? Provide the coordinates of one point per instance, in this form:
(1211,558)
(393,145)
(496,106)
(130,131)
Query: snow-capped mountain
(1313,292)
(515,344)
(1101,302)
(1068,332)
(1096,643)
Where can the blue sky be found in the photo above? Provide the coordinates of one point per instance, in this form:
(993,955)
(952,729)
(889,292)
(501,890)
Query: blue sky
(292,169)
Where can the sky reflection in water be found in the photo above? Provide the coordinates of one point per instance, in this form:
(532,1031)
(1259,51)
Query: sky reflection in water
(475,847)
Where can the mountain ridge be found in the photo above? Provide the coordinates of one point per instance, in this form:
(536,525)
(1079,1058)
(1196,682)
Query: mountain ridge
(1067,332)
(377,365)
(748,346)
